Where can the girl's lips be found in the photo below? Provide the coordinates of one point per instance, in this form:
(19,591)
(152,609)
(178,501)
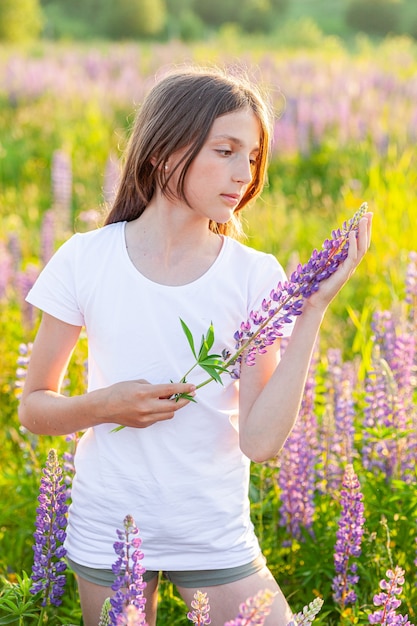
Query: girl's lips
(231,198)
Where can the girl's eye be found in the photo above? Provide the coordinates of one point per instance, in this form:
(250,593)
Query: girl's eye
(224,151)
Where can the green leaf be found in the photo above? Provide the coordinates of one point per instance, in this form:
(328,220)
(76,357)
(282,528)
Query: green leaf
(211,371)
(210,336)
(189,336)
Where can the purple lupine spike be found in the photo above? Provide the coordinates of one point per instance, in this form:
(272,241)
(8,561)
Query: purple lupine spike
(201,608)
(254,611)
(308,614)
(6,270)
(48,567)
(389,439)
(131,616)
(129,584)
(348,539)
(47,236)
(296,462)
(388,601)
(68,458)
(61,176)
(338,421)
(286,301)
(411,287)
(25,350)
(24,282)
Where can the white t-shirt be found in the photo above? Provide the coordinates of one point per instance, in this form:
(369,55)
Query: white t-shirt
(185,480)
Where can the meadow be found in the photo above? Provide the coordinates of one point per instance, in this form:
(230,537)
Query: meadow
(345,134)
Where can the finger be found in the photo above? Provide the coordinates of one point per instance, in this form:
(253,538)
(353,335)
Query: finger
(167,390)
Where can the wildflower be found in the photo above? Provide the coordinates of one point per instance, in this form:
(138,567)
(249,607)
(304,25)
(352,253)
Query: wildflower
(285,302)
(349,538)
(200,614)
(254,610)
(388,600)
(104,614)
(47,236)
(297,460)
(25,351)
(48,566)
(129,583)
(308,614)
(61,180)
(264,326)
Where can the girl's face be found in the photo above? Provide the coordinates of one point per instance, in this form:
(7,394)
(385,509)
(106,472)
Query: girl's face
(220,173)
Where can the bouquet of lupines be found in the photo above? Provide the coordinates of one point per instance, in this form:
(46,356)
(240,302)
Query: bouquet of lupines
(285,302)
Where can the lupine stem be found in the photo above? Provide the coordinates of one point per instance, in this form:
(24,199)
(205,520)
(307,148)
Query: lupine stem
(339,243)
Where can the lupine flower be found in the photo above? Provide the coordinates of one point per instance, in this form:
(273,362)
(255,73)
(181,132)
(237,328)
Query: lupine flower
(104,614)
(411,286)
(337,427)
(254,610)
(285,302)
(308,614)
(6,269)
(25,280)
(48,567)
(349,538)
(61,174)
(68,458)
(200,613)
(389,441)
(296,462)
(388,600)
(25,350)
(129,583)
(47,236)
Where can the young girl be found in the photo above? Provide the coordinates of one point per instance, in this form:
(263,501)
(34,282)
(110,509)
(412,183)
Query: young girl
(197,156)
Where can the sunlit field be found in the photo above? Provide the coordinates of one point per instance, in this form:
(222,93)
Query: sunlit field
(345,133)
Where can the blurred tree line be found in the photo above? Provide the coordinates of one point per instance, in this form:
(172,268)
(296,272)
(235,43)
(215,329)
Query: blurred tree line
(180,19)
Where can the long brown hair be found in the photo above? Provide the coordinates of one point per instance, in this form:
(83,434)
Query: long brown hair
(178,113)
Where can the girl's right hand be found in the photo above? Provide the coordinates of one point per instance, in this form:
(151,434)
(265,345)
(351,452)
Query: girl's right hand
(140,404)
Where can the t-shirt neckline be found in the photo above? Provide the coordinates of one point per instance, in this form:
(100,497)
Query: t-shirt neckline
(134,270)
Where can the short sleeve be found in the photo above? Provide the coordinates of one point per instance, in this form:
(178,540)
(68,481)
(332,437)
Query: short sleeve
(269,273)
(55,291)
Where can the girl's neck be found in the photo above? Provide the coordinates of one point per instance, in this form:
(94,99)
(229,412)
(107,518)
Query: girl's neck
(169,246)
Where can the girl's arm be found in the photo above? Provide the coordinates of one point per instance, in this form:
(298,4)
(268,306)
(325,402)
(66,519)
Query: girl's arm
(271,391)
(43,410)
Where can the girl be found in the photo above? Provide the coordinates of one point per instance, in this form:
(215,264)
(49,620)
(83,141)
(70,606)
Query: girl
(197,156)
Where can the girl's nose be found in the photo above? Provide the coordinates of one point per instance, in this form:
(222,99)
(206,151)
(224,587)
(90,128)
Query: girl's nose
(243,171)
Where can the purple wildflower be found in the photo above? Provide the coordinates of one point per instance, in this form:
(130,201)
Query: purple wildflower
(129,583)
(411,287)
(337,428)
(25,280)
(297,461)
(254,610)
(308,614)
(388,600)
(6,269)
(61,175)
(48,566)
(47,236)
(285,302)
(200,613)
(25,350)
(349,538)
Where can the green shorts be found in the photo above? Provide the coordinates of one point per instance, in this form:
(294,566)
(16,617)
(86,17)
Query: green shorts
(193,579)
